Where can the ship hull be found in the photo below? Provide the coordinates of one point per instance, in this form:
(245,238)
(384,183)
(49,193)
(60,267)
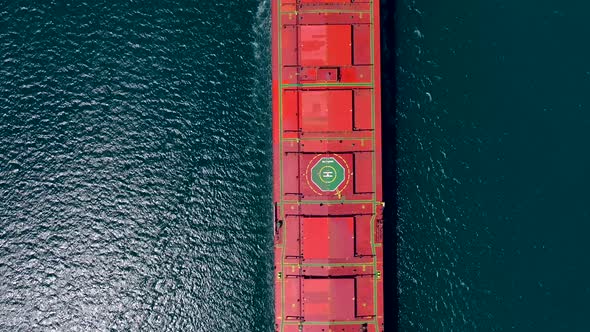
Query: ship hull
(327,166)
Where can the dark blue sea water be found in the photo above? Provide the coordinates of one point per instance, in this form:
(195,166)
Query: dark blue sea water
(493,126)
(135,166)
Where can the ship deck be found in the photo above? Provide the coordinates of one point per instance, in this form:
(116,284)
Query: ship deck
(327,166)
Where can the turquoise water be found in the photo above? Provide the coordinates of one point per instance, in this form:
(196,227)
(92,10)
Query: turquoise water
(135,163)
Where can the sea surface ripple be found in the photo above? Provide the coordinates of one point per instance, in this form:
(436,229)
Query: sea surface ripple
(135,166)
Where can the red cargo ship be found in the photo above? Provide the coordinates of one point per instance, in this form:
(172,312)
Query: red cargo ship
(327,166)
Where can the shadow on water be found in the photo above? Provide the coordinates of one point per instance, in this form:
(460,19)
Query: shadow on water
(390,176)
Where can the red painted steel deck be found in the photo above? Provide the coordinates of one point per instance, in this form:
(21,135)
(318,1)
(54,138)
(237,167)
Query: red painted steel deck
(327,166)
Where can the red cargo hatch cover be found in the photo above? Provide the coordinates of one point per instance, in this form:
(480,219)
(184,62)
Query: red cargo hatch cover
(326,109)
(328,299)
(328,238)
(323,45)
